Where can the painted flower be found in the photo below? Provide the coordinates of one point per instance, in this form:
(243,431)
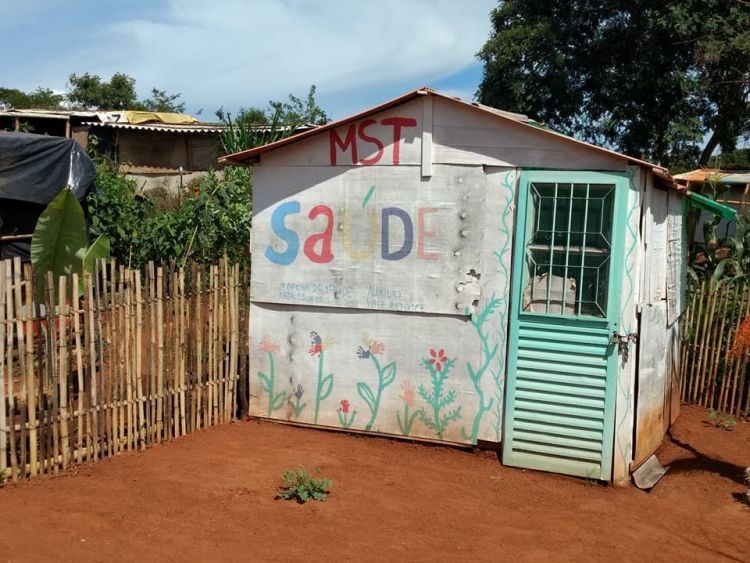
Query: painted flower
(363,353)
(370,347)
(344,406)
(407,395)
(298,392)
(268,345)
(438,358)
(317,344)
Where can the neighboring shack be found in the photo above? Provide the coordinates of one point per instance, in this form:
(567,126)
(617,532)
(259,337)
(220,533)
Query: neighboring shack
(443,270)
(155,149)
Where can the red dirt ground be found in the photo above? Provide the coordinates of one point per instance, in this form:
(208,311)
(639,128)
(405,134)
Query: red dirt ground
(210,497)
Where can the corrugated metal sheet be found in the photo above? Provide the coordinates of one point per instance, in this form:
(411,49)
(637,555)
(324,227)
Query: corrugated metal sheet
(163,128)
(729,177)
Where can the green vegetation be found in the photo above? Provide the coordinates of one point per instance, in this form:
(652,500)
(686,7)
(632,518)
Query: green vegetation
(92,92)
(209,221)
(721,420)
(650,78)
(253,127)
(59,244)
(299,485)
(212,220)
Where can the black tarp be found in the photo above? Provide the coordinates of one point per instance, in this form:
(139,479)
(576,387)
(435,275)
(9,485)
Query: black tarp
(33,170)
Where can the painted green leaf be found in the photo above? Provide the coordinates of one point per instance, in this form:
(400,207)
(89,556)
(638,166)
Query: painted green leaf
(389,374)
(59,239)
(366,393)
(326,386)
(265,381)
(278,401)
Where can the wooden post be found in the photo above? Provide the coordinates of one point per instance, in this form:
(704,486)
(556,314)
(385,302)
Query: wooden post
(91,333)
(62,355)
(160,356)
(9,294)
(3,414)
(200,418)
(139,360)
(79,366)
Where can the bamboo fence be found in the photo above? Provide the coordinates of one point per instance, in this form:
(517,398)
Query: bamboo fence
(116,361)
(712,374)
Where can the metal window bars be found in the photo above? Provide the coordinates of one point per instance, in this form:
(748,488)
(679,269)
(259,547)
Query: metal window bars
(568,249)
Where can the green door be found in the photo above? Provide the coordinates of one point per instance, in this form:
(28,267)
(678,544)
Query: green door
(562,362)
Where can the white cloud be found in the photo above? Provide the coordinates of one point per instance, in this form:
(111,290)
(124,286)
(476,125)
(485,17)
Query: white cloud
(235,52)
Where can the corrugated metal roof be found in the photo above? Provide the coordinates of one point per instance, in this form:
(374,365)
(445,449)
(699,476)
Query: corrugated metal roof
(47,113)
(729,177)
(248,156)
(209,128)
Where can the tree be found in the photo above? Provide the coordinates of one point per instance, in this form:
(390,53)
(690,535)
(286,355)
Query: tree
(653,79)
(89,91)
(161,101)
(41,98)
(254,126)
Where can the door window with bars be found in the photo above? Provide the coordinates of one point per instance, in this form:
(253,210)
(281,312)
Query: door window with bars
(568,249)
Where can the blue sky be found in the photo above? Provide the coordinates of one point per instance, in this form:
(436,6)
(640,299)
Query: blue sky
(236,53)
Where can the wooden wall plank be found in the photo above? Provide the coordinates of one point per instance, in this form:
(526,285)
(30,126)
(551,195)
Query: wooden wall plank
(374,138)
(626,376)
(397,241)
(464,136)
(366,370)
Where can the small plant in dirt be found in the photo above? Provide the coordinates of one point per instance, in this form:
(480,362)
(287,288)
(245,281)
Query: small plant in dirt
(299,485)
(722,420)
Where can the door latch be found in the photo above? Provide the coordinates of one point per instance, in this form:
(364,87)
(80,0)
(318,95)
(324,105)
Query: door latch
(623,341)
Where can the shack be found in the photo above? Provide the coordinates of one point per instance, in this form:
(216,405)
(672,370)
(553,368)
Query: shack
(443,270)
(33,170)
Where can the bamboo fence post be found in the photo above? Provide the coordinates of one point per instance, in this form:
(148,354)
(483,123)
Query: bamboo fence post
(151,272)
(211,348)
(31,383)
(128,355)
(139,359)
(102,303)
(234,364)
(718,337)
(693,347)
(160,348)
(9,300)
(222,342)
(63,370)
(21,338)
(3,414)
(91,333)
(740,389)
(707,324)
(121,365)
(702,321)
(686,343)
(42,385)
(79,364)
(201,415)
(54,374)
(182,349)
(730,359)
(104,434)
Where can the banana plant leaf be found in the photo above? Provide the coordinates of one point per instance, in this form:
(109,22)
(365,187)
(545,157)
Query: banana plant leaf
(59,241)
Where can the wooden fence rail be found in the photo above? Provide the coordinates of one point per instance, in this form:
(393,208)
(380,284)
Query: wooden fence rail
(713,375)
(115,361)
